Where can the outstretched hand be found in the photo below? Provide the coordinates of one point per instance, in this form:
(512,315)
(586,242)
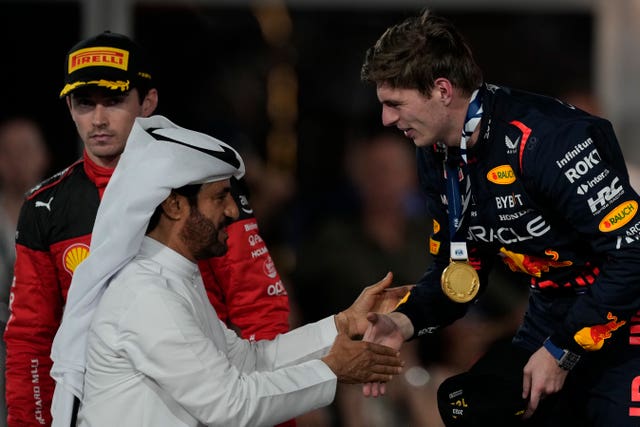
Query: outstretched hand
(356,362)
(542,377)
(385,331)
(377,298)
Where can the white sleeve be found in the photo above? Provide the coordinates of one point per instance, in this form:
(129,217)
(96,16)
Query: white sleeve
(165,341)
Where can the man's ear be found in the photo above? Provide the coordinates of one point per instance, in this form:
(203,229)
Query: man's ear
(443,89)
(150,102)
(174,206)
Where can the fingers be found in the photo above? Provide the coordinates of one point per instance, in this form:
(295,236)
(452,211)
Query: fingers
(373,389)
(387,365)
(367,389)
(382,284)
(532,406)
(382,389)
(382,350)
(376,381)
(372,318)
(526,385)
(378,389)
(399,291)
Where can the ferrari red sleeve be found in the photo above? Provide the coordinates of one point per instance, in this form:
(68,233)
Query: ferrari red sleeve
(36,309)
(244,285)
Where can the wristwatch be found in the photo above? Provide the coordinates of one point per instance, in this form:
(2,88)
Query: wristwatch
(567,360)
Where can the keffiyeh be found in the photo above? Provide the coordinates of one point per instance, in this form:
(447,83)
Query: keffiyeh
(159,156)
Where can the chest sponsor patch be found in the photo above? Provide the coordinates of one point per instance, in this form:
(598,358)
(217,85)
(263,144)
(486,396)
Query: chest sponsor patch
(501,175)
(73,256)
(619,216)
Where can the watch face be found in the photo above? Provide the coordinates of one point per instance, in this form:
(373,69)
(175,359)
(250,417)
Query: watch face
(568,360)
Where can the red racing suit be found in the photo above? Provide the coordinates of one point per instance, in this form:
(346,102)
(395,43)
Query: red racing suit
(53,237)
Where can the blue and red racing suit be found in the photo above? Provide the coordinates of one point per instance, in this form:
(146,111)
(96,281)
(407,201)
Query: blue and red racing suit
(550,197)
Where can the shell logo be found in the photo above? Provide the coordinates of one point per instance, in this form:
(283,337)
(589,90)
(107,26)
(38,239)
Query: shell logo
(73,256)
(501,175)
(436,227)
(619,216)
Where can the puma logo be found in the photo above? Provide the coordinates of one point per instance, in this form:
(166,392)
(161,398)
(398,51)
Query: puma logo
(47,205)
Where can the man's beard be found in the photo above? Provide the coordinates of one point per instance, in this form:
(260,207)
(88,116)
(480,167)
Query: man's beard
(202,236)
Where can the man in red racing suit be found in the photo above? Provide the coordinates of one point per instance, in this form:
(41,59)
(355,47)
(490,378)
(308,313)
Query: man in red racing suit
(53,238)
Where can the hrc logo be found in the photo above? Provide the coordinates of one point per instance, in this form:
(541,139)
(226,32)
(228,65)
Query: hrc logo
(99,57)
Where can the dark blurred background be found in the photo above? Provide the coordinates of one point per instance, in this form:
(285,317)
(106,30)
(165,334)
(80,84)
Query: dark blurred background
(280,81)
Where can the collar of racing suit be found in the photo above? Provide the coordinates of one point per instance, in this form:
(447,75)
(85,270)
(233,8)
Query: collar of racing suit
(99,175)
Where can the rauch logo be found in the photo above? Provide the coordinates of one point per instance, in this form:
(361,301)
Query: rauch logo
(619,216)
(502,175)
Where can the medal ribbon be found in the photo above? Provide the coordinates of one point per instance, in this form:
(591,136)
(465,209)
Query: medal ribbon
(457,172)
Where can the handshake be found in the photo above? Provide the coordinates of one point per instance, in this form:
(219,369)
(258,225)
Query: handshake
(366,348)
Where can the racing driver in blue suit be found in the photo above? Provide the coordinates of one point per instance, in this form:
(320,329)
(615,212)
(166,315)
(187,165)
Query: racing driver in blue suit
(537,184)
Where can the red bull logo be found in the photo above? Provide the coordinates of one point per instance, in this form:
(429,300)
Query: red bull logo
(619,216)
(98,57)
(532,265)
(501,175)
(592,338)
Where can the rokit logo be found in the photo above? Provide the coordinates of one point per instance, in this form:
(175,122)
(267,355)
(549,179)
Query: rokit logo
(605,196)
(583,166)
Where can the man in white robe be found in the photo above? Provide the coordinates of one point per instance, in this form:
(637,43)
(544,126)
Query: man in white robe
(141,346)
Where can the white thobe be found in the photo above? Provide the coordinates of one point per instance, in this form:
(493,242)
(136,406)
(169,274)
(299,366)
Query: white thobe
(159,356)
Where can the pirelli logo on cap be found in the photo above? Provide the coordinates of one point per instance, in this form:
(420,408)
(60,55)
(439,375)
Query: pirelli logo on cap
(99,57)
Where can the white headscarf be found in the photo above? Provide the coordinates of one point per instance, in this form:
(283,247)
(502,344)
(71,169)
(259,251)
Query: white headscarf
(159,156)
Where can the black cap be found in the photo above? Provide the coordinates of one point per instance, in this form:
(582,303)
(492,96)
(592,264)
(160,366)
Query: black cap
(109,60)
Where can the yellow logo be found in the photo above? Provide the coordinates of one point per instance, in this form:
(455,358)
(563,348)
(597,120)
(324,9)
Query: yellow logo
(436,227)
(99,57)
(434,246)
(592,338)
(73,256)
(501,175)
(619,216)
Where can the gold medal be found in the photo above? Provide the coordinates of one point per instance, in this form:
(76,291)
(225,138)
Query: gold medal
(460,281)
